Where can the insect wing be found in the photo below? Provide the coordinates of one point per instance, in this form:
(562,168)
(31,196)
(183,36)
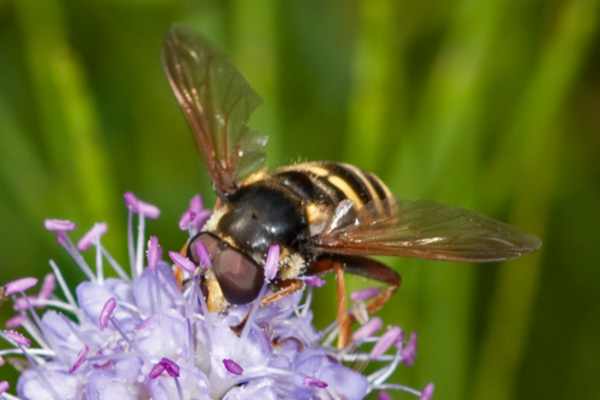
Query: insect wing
(217,102)
(427,230)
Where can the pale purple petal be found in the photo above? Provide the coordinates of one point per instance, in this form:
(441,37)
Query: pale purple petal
(19,285)
(4,386)
(91,236)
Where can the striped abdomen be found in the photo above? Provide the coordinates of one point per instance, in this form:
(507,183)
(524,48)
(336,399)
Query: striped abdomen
(328,183)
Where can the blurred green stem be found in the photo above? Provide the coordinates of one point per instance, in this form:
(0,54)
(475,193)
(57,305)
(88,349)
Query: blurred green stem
(533,179)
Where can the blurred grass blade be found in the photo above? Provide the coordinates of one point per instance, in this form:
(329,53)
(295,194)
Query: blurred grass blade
(21,172)
(255,53)
(538,164)
(373,73)
(67,115)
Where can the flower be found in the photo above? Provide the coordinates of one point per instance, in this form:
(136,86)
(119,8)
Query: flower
(148,334)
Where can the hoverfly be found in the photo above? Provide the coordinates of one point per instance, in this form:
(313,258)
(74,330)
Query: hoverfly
(325,216)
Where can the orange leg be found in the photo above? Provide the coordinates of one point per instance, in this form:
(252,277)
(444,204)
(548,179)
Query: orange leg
(286,288)
(362,266)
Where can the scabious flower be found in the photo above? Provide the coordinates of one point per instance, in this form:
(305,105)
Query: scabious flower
(148,334)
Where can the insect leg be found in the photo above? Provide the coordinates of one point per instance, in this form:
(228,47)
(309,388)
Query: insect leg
(362,266)
(286,288)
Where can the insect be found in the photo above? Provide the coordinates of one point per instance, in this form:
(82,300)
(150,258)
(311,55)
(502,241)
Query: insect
(325,216)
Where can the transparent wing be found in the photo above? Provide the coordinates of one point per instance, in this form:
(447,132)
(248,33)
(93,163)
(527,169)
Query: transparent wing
(217,103)
(427,230)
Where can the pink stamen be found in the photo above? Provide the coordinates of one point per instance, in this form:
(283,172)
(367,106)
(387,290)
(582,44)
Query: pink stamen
(364,294)
(272,263)
(141,207)
(92,236)
(47,287)
(25,303)
(59,225)
(409,353)
(427,393)
(386,341)
(182,261)
(314,281)
(233,367)
(81,357)
(367,330)
(202,254)
(17,338)
(106,313)
(154,253)
(19,285)
(4,386)
(383,395)
(15,321)
(314,382)
(165,365)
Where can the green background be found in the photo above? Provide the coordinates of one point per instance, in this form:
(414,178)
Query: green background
(492,105)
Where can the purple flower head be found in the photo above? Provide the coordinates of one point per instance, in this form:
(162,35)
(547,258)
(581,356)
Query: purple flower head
(148,333)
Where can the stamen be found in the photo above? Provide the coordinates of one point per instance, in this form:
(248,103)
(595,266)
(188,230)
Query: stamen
(106,313)
(272,263)
(15,321)
(63,285)
(114,264)
(92,236)
(364,294)
(59,225)
(233,367)
(409,353)
(386,341)
(76,255)
(47,287)
(81,357)
(141,207)
(139,252)
(202,254)
(19,285)
(182,261)
(16,337)
(154,252)
(383,395)
(314,382)
(427,392)
(313,281)
(368,329)
(4,386)
(164,365)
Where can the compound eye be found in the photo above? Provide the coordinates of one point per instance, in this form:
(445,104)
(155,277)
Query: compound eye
(210,242)
(240,278)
